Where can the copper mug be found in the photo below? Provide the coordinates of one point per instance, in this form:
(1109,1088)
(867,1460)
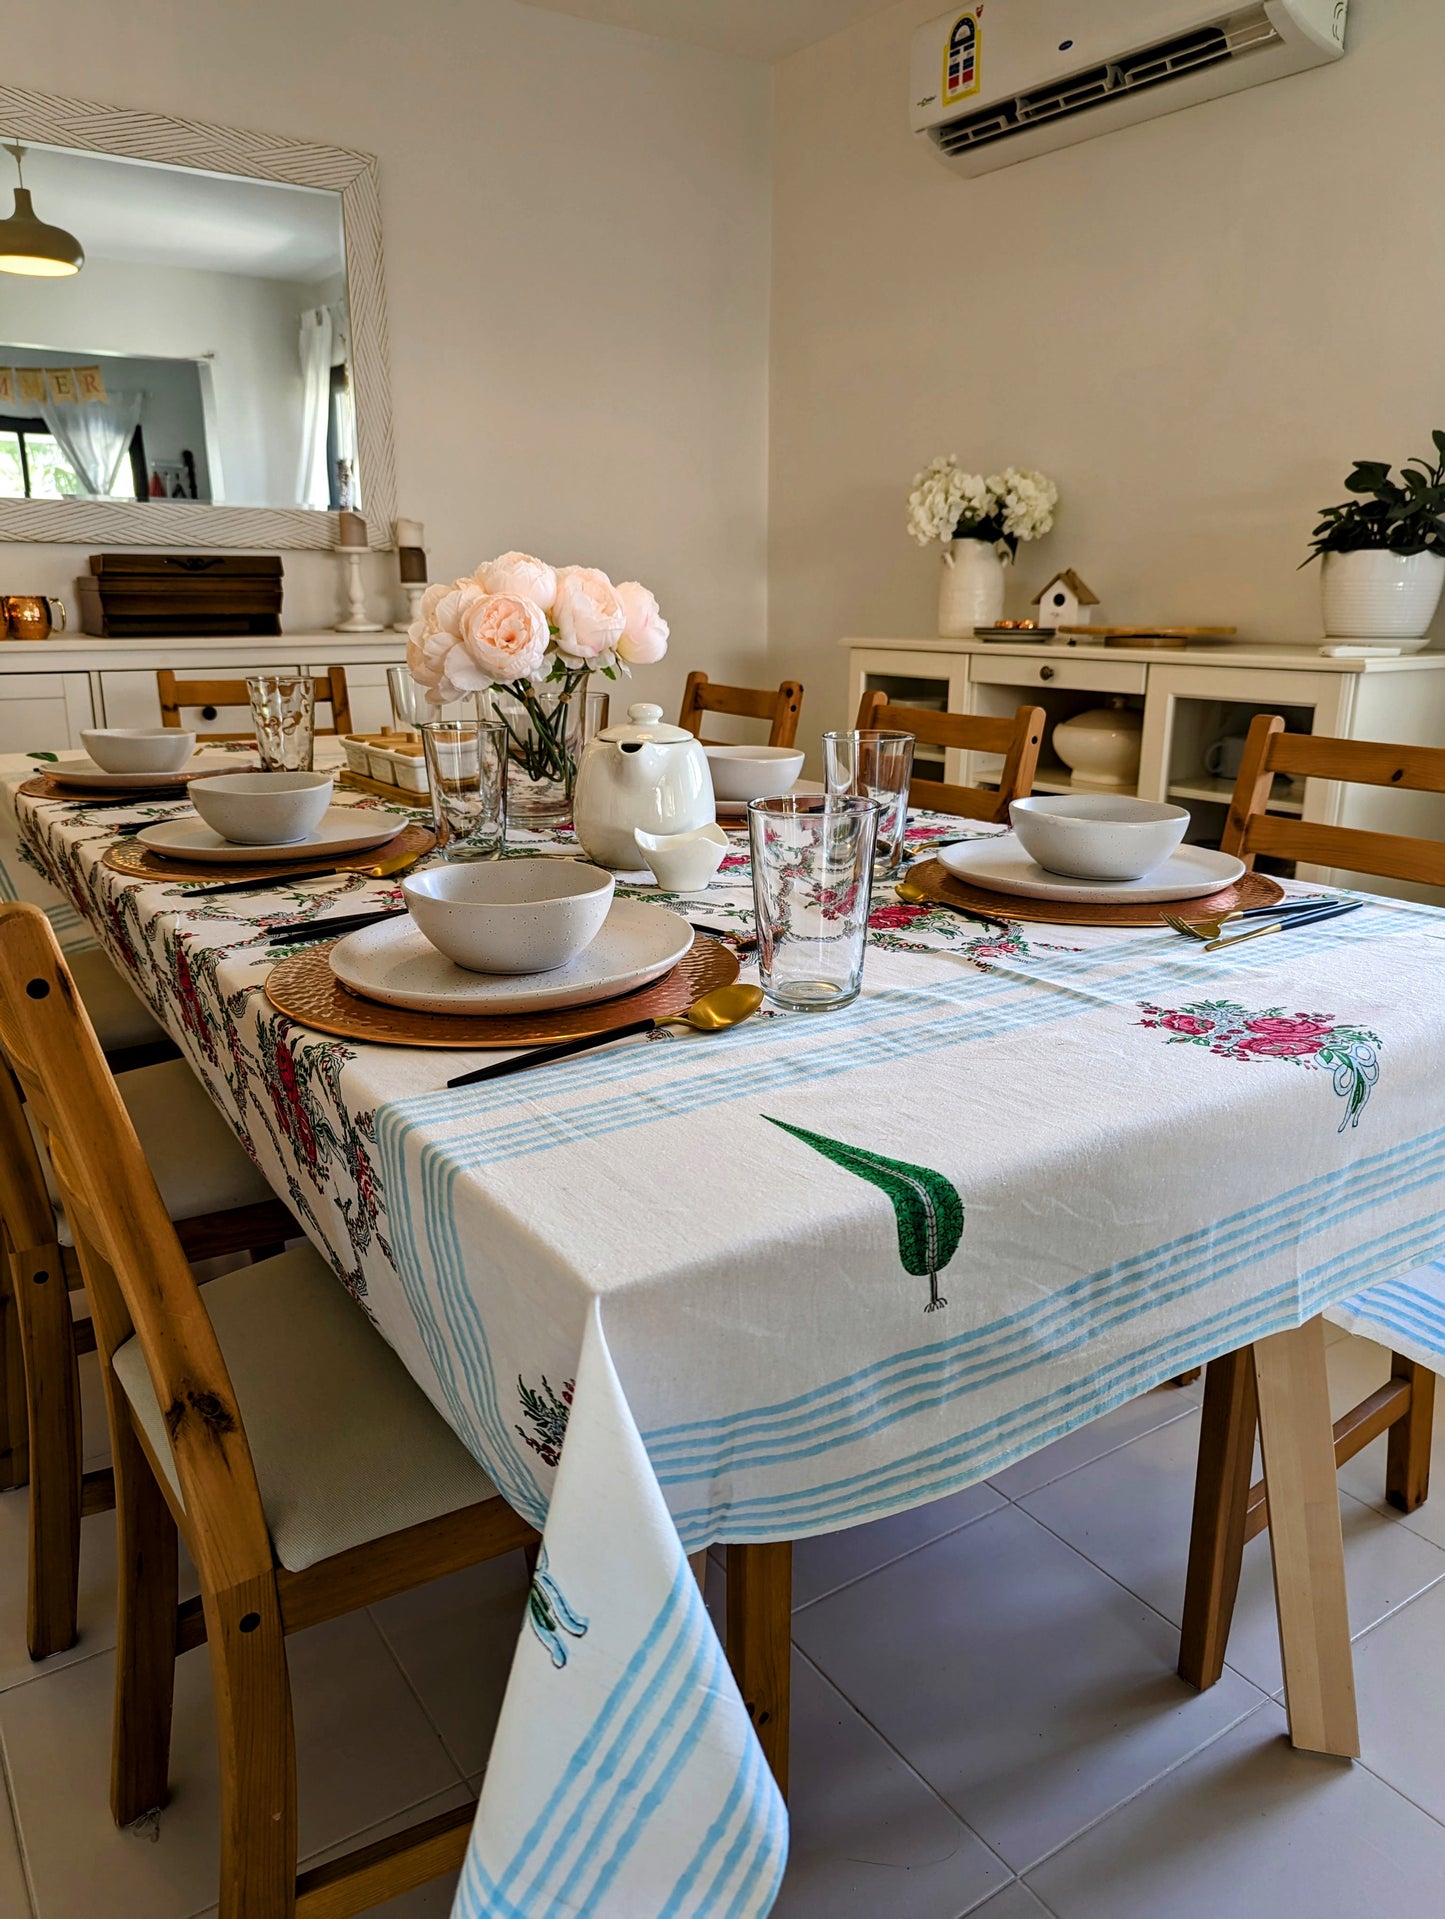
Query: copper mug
(32,616)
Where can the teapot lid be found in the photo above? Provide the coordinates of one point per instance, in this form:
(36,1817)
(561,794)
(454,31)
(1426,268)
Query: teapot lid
(644,725)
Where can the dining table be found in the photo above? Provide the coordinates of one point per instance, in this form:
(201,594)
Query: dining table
(742,1288)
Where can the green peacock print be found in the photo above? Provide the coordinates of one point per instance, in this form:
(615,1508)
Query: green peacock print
(929,1210)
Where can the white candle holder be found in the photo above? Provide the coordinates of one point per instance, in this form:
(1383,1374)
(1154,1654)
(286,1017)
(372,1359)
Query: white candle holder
(352,556)
(413,608)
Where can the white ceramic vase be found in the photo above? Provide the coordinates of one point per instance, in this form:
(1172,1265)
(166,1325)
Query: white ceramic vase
(1376,595)
(970,591)
(1101,748)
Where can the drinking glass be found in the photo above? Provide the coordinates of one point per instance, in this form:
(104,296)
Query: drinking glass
(283,708)
(812,885)
(466,762)
(410,708)
(878,766)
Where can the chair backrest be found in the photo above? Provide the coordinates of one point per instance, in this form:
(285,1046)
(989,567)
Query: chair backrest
(1018,739)
(26,1215)
(174,694)
(781,709)
(1252,830)
(135,1271)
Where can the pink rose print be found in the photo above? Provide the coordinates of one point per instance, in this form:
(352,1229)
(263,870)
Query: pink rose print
(1310,1040)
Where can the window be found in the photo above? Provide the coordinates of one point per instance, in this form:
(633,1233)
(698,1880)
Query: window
(32,466)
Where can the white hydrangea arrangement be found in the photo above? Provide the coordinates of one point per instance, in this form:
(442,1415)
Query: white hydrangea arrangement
(948,504)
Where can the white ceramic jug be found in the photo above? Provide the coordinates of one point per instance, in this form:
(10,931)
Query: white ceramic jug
(641,773)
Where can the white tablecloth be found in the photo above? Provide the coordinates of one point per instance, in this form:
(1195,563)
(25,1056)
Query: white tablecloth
(803,1274)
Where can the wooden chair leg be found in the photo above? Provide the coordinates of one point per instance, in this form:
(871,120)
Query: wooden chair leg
(759,1627)
(52,1384)
(145,1658)
(1186,1379)
(698,1562)
(258,1752)
(1305,1540)
(1221,1498)
(1407,1457)
(14,1414)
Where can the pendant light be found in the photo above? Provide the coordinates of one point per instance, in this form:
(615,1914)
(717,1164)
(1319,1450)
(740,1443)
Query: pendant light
(28,245)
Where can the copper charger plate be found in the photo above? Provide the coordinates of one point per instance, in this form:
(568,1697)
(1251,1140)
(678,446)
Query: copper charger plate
(140,863)
(306,990)
(159,786)
(1252,889)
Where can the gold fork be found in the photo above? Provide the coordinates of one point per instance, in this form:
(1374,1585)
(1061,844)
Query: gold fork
(1210,929)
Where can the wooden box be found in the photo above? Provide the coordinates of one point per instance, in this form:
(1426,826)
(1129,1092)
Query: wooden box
(176,595)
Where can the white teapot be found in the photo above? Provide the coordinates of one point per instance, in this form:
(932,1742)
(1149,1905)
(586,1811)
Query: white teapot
(640,773)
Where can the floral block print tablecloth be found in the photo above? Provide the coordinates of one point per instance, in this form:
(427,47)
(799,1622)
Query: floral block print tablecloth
(803,1274)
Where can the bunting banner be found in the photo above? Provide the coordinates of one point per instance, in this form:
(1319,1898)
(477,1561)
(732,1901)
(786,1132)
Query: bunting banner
(7,386)
(34,385)
(31,383)
(62,383)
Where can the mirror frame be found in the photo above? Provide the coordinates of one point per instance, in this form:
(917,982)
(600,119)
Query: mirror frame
(49,119)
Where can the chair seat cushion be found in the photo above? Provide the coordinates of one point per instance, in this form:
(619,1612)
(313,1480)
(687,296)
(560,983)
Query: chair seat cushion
(199,1164)
(1406,1314)
(117,1012)
(346,1445)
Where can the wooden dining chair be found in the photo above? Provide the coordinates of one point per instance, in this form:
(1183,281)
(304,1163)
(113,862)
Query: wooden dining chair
(221,1206)
(175,694)
(1228,1510)
(1018,740)
(266,1423)
(781,709)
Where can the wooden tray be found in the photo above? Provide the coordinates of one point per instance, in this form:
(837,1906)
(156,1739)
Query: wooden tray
(401,795)
(306,990)
(1143,637)
(140,863)
(1254,889)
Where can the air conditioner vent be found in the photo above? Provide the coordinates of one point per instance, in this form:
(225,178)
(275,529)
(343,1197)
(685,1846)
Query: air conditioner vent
(1235,38)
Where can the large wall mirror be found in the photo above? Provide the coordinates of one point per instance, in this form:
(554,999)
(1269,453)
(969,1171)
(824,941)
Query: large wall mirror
(215,371)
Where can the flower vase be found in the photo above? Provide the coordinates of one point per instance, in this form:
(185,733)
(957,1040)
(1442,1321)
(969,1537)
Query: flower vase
(970,592)
(547,728)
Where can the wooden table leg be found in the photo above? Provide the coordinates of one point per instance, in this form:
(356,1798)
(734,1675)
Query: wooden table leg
(698,1562)
(1221,1498)
(1407,1463)
(760,1621)
(1304,1539)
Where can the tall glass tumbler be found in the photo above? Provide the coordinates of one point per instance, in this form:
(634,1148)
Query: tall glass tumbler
(466,762)
(874,766)
(283,707)
(410,707)
(812,886)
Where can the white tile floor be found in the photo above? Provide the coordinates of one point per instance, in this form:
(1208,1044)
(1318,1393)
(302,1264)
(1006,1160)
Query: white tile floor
(986,1718)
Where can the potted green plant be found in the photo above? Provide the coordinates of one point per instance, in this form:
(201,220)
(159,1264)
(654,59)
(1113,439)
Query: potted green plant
(1383,552)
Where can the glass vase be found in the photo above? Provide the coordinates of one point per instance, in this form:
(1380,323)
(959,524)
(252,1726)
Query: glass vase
(547,728)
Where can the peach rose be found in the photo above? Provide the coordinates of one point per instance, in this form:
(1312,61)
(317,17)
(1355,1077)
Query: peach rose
(503,637)
(646,637)
(520,575)
(589,616)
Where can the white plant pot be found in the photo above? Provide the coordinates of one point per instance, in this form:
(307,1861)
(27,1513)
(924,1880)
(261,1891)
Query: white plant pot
(1381,596)
(970,591)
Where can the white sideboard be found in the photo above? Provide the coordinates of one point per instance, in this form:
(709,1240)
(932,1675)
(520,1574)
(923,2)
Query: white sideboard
(50,689)
(1188,697)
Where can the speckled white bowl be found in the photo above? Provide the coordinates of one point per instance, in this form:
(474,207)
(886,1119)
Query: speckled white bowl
(1097,836)
(510,916)
(262,809)
(138,749)
(741,773)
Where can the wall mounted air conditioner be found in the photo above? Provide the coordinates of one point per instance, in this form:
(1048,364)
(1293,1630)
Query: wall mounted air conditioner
(1003,80)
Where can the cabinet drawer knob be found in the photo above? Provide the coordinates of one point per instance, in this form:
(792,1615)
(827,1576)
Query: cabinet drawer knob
(1046,672)
(208,712)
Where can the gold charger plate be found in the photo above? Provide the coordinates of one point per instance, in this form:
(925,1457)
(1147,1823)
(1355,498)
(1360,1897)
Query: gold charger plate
(1253,889)
(306,990)
(159,786)
(140,863)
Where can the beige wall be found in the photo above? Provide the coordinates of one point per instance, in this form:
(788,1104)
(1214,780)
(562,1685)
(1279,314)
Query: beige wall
(1195,325)
(576,226)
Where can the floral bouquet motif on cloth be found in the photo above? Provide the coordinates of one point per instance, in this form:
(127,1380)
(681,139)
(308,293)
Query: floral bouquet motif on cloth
(1312,1040)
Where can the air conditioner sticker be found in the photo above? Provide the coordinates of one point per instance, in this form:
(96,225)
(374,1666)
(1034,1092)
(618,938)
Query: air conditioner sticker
(961,69)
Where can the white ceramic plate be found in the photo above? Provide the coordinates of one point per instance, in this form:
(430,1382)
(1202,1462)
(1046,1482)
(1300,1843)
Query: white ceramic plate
(87,773)
(738,809)
(394,964)
(1003,866)
(343,829)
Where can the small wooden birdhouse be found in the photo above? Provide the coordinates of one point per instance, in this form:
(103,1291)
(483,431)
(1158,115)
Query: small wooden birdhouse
(1066,601)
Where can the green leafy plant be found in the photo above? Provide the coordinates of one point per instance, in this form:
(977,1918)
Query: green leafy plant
(1404,515)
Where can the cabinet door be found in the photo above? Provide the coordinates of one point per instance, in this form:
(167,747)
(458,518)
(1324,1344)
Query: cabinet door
(936,681)
(131,699)
(42,712)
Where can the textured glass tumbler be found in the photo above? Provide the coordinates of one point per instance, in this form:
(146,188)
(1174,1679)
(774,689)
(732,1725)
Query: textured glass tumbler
(466,762)
(874,766)
(812,885)
(283,708)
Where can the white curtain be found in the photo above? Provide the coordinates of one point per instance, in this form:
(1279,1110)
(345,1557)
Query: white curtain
(95,438)
(313,487)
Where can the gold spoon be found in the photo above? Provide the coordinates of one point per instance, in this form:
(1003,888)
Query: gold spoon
(912,894)
(712,1012)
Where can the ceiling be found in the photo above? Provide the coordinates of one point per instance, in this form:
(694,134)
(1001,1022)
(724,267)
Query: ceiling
(174,216)
(753,29)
